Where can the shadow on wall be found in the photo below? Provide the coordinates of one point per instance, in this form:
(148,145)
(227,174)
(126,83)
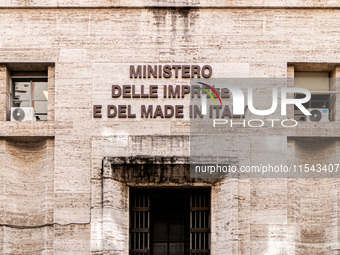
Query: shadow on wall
(27,193)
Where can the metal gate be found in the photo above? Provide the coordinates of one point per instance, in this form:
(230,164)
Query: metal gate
(140,221)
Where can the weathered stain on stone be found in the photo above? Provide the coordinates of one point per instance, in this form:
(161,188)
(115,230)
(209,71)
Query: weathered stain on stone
(151,170)
(181,19)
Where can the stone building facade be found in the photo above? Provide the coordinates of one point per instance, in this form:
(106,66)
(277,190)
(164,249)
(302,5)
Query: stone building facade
(66,184)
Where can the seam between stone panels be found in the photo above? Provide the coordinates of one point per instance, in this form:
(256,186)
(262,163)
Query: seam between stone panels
(43,225)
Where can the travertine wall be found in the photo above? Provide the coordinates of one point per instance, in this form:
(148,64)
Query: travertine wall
(92,49)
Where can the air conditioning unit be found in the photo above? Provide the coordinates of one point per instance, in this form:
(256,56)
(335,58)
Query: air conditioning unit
(318,115)
(22,114)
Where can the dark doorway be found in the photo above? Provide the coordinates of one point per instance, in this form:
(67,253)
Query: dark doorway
(169,221)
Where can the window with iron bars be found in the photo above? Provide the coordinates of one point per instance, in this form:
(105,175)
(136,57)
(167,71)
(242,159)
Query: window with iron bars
(170,221)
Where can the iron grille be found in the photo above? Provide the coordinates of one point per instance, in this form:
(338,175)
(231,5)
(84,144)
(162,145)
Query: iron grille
(200,222)
(140,223)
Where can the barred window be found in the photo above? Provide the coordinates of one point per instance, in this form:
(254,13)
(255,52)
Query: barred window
(170,221)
